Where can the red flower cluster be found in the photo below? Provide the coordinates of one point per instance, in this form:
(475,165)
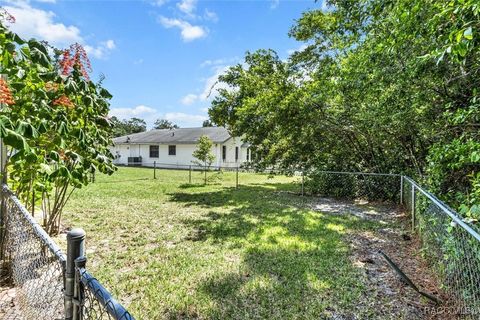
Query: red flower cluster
(75,56)
(4,14)
(5,93)
(63,101)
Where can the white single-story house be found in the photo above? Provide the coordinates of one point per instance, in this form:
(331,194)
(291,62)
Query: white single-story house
(174,147)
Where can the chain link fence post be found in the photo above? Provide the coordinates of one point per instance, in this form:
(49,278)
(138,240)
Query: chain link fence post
(401,189)
(75,249)
(78,289)
(154,169)
(413,208)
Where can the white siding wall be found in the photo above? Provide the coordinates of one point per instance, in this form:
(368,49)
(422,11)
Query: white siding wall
(183,156)
(230,161)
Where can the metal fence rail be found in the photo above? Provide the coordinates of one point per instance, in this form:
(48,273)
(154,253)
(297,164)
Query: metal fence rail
(45,289)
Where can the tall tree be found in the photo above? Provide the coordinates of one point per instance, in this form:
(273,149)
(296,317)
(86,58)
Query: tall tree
(380,86)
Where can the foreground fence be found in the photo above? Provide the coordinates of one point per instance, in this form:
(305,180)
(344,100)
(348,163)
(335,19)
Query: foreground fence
(48,283)
(449,243)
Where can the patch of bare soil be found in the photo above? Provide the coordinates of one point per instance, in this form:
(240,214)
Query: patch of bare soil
(388,297)
(8,310)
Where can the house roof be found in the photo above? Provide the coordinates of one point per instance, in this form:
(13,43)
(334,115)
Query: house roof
(176,136)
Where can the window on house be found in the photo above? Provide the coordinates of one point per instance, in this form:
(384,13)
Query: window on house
(172,150)
(224,153)
(236,153)
(153,151)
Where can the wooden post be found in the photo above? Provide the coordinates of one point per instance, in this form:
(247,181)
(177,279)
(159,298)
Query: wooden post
(154,169)
(190,174)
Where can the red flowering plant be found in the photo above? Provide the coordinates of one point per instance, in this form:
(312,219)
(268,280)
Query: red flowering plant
(53,120)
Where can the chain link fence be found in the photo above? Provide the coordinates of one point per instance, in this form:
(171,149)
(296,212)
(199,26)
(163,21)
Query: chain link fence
(450,244)
(48,284)
(34,262)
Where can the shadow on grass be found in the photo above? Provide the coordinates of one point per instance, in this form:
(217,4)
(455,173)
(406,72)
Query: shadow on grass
(119,181)
(293,261)
(191,185)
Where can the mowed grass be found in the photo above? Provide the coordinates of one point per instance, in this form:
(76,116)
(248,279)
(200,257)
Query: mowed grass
(169,250)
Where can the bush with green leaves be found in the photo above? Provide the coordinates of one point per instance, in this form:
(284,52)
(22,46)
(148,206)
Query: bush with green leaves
(55,125)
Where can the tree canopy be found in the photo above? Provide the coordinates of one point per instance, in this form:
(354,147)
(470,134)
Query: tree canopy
(164,124)
(380,86)
(126,127)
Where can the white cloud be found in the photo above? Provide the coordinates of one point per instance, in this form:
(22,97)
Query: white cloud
(137,62)
(158,3)
(150,115)
(210,16)
(140,111)
(41,24)
(218,62)
(110,44)
(47,1)
(36,23)
(274,4)
(189,99)
(185,119)
(188,31)
(187,6)
(100,51)
(210,87)
(301,48)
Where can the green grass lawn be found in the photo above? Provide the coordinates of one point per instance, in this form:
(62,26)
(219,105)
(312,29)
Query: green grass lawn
(170,250)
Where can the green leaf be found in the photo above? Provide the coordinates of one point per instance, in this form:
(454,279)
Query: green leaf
(15,140)
(45,168)
(468,33)
(475,156)
(39,57)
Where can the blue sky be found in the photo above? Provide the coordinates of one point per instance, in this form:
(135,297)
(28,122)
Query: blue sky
(160,57)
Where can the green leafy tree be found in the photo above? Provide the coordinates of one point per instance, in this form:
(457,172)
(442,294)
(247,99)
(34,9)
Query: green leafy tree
(164,124)
(204,155)
(380,86)
(126,127)
(53,121)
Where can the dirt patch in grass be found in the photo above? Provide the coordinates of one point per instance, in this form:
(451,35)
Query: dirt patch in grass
(8,309)
(392,297)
